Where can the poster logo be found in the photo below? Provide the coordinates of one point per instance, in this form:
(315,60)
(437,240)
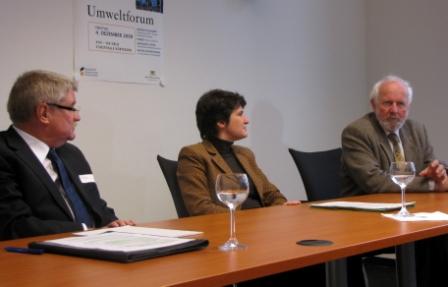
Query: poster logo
(149,5)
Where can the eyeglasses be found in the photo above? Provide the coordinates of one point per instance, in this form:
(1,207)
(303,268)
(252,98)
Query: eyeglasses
(72,109)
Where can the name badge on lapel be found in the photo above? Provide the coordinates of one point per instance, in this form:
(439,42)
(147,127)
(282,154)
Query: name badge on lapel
(86,178)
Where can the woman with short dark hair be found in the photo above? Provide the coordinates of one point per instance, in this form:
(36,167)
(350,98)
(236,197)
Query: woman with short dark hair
(221,121)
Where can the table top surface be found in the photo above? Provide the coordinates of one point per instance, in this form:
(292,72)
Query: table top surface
(270,234)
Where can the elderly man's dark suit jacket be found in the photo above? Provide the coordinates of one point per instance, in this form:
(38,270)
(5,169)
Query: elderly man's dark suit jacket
(30,202)
(200,164)
(366,156)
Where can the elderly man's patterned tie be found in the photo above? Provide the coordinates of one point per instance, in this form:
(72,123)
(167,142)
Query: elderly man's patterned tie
(398,153)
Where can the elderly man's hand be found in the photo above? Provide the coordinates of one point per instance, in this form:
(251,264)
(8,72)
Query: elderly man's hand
(436,172)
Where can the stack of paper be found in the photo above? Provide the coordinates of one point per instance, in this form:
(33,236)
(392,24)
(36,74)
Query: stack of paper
(124,244)
(141,230)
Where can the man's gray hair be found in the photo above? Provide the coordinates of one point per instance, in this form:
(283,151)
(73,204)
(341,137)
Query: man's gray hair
(35,87)
(391,78)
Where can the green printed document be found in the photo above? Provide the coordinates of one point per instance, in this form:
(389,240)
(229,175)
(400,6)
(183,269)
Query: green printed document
(119,246)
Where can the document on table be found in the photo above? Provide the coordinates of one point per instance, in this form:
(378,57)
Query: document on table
(357,205)
(117,241)
(141,230)
(120,246)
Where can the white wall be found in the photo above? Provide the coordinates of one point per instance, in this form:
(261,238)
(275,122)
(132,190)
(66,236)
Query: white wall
(408,38)
(300,64)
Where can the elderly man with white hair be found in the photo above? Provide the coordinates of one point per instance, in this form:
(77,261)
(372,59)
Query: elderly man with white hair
(368,144)
(371,143)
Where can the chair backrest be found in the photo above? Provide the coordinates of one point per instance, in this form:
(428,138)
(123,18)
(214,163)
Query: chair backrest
(169,168)
(320,172)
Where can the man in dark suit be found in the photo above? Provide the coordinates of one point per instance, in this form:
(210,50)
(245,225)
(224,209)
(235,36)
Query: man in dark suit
(41,194)
(371,143)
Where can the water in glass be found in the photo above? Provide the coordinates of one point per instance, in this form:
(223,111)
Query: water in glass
(232,190)
(402,173)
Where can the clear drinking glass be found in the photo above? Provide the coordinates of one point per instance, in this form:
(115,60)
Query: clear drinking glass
(402,173)
(232,190)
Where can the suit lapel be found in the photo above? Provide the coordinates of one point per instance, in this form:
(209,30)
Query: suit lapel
(408,144)
(75,180)
(28,158)
(216,157)
(241,157)
(248,167)
(382,139)
(385,146)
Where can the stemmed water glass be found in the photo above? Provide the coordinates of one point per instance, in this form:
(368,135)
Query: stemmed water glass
(402,173)
(232,190)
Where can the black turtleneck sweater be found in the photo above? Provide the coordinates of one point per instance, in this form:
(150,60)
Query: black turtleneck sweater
(225,150)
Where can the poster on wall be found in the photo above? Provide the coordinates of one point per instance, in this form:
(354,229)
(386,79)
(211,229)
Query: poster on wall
(119,40)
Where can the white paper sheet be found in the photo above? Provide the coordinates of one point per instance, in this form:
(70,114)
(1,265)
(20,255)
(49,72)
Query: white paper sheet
(173,233)
(116,241)
(419,216)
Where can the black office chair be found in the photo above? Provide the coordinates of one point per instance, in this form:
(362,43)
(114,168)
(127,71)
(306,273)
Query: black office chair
(320,172)
(169,168)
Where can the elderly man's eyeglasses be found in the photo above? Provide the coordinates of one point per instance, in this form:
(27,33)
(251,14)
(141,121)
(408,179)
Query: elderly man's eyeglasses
(72,109)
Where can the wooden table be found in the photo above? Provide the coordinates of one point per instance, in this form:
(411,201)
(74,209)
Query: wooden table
(270,233)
